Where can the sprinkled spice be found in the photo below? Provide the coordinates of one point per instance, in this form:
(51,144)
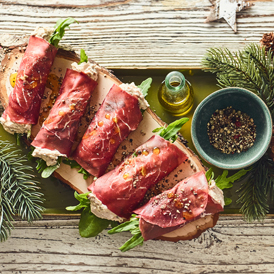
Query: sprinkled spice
(231,131)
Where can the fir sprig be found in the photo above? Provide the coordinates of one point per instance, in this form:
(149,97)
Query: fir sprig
(251,68)
(255,193)
(19,193)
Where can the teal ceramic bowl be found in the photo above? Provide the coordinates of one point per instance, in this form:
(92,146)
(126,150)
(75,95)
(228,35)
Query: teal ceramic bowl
(240,99)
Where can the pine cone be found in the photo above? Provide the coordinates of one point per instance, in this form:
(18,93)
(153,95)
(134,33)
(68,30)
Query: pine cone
(268,41)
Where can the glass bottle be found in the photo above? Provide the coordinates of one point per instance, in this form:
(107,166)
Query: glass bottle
(176,94)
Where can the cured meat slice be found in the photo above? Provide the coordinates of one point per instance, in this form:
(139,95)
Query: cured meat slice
(185,201)
(25,99)
(174,208)
(60,128)
(118,115)
(123,188)
(150,231)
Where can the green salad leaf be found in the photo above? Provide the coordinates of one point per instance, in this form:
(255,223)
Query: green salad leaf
(224,182)
(45,170)
(169,133)
(83,57)
(83,201)
(145,85)
(59,30)
(89,225)
(133,227)
(41,166)
(74,164)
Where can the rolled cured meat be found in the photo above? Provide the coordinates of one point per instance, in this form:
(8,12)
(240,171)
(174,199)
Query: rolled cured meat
(116,118)
(59,130)
(186,202)
(25,99)
(120,191)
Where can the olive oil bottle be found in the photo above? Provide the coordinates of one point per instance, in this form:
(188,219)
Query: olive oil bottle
(176,94)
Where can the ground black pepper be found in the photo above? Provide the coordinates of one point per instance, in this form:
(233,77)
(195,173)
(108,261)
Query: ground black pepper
(231,131)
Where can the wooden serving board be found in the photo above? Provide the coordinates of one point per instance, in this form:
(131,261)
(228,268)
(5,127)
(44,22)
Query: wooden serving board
(106,79)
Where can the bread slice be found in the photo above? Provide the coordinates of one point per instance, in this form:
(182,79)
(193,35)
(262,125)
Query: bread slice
(63,60)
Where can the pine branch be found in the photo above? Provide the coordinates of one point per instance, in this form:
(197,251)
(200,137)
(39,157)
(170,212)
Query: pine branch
(19,193)
(230,69)
(254,192)
(252,69)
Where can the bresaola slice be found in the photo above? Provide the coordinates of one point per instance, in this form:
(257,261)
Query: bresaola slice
(184,203)
(122,189)
(118,116)
(25,99)
(59,130)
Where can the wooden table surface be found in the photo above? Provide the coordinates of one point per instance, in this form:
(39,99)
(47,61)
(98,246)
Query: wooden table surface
(137,34)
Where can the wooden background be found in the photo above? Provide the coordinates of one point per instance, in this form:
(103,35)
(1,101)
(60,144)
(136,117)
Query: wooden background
(137,34)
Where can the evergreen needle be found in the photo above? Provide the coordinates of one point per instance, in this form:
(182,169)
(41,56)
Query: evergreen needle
(19,193)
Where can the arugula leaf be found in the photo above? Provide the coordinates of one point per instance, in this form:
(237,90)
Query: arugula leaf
(29,134)
(209,175)
(74,164)
(45,170)
(85,173)
(135,240)
(133,226)
(223,181)
(83,57)
(59,31)
(71,163)
(169,133)
(130,225)
(83,199)
(145,85)
(89,225)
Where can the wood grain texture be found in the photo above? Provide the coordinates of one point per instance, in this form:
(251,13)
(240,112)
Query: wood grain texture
(232,246)
(137,34)
(143,33)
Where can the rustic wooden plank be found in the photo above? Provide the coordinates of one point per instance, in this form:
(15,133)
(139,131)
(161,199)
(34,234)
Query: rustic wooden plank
(233,246)
(134,34)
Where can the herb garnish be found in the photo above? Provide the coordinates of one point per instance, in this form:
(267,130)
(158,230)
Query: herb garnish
(224,182)
(90,225)
(59,30)
(74,164)
(169,133)
(42,166)
(83,57)
(133,227)
(145,85)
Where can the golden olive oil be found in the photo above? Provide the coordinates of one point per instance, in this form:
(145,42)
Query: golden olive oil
(175,94)
(13,79)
